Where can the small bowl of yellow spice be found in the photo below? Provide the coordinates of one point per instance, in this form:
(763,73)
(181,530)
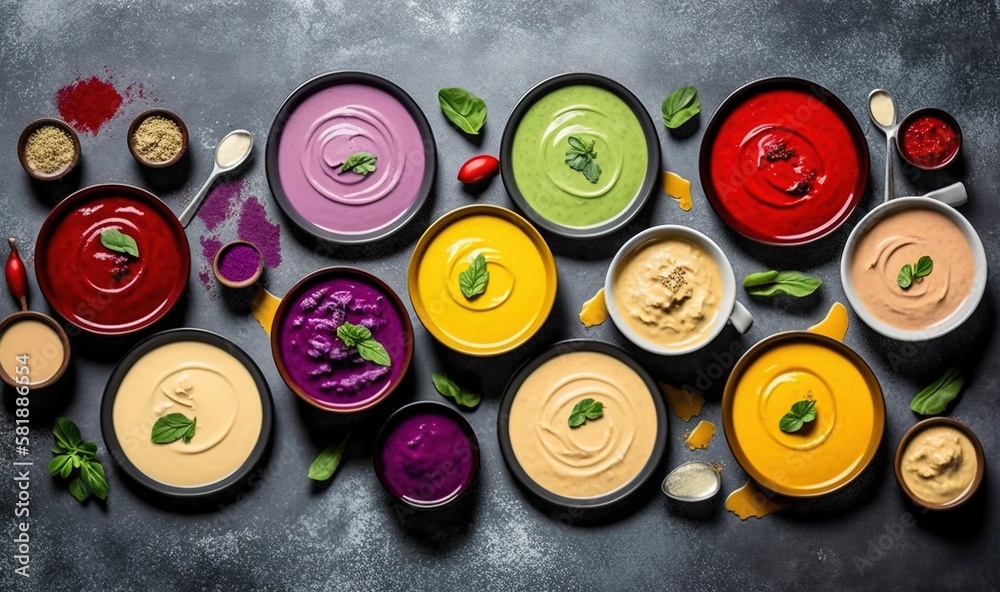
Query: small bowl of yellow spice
(157,138)
(48,149)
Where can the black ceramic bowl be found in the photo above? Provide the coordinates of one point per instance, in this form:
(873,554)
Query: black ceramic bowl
(441,468)
(942,138)
(651,146)
(324,134)
(119,445)
(600,501)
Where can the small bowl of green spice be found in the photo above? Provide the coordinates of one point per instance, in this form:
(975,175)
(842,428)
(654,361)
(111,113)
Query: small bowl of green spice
(48,149)
(157,138)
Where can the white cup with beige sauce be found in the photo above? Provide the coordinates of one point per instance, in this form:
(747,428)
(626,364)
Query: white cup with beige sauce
(897,233)
(671,290)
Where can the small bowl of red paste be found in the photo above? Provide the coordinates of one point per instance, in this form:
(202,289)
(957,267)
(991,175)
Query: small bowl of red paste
(342,340)
(238,264)
(929,138)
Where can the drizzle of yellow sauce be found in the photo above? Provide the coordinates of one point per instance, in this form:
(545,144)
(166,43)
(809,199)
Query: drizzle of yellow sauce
(701,435)
(595,310)
(263,307)
(678,188)
(684,404)
(749,501)
(835,323)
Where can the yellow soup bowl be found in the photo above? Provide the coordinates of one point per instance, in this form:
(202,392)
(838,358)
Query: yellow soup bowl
(519,291)
(827,453)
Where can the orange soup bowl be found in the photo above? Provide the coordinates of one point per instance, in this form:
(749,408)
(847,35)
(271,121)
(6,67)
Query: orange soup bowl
(825,454)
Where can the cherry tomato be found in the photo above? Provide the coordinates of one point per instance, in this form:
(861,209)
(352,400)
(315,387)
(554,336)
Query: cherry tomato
(478,169)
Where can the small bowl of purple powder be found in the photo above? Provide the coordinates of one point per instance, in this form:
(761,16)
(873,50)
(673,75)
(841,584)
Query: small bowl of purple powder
(238,265)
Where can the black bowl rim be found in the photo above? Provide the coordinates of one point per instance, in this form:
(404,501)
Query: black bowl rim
(745,92)
(907,121)
(653,152)
(151,343)
(282,311)
(434,407)
(288,106)
(99,190)
(775,340)
(913,432)
(595,503)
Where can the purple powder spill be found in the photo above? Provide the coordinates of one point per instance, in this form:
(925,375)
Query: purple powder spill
(219,203)
(254,227)
(239,263)
(210,246)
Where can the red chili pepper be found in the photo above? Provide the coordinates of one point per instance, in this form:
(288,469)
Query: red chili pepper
(478,169)
(17,277)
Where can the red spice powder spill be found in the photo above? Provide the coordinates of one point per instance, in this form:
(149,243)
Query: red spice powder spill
(88,104)
(254,227)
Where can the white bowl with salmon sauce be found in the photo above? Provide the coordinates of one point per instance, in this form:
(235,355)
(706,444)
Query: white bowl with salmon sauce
(914,268)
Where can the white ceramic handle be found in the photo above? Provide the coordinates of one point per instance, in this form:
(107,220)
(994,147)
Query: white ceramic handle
(741,318)
(953,195)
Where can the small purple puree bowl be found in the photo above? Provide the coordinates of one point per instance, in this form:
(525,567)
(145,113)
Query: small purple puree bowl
(426,455)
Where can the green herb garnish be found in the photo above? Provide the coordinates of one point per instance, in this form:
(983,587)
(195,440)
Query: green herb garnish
(584,410)
(802,413)
(473,280)
(173,427)
(448,388)
(680,106)
(464,109)
(119,242)
(362,163)
(910,273)
(361,338)
(582,157)
(771,283)
(936,396)
(326,463)
(72,452)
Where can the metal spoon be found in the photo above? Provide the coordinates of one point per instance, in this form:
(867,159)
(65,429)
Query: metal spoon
(231,152)
(882,109)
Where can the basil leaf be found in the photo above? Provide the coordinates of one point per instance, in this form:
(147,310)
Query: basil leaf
(67,435)
(374,352)
(583,158)
(586,409)
(173,427)
(771,283)
(87,450)
(680,106)
(92,474)
(905,277)
(362,163)
(462,108)
(61,465)
(119,242)
(935,397)
(360,337)
(325,464)
(78,490)
(761,278)
(448,388)
(353,334)
(924,267)
(473,280)
(802,412)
